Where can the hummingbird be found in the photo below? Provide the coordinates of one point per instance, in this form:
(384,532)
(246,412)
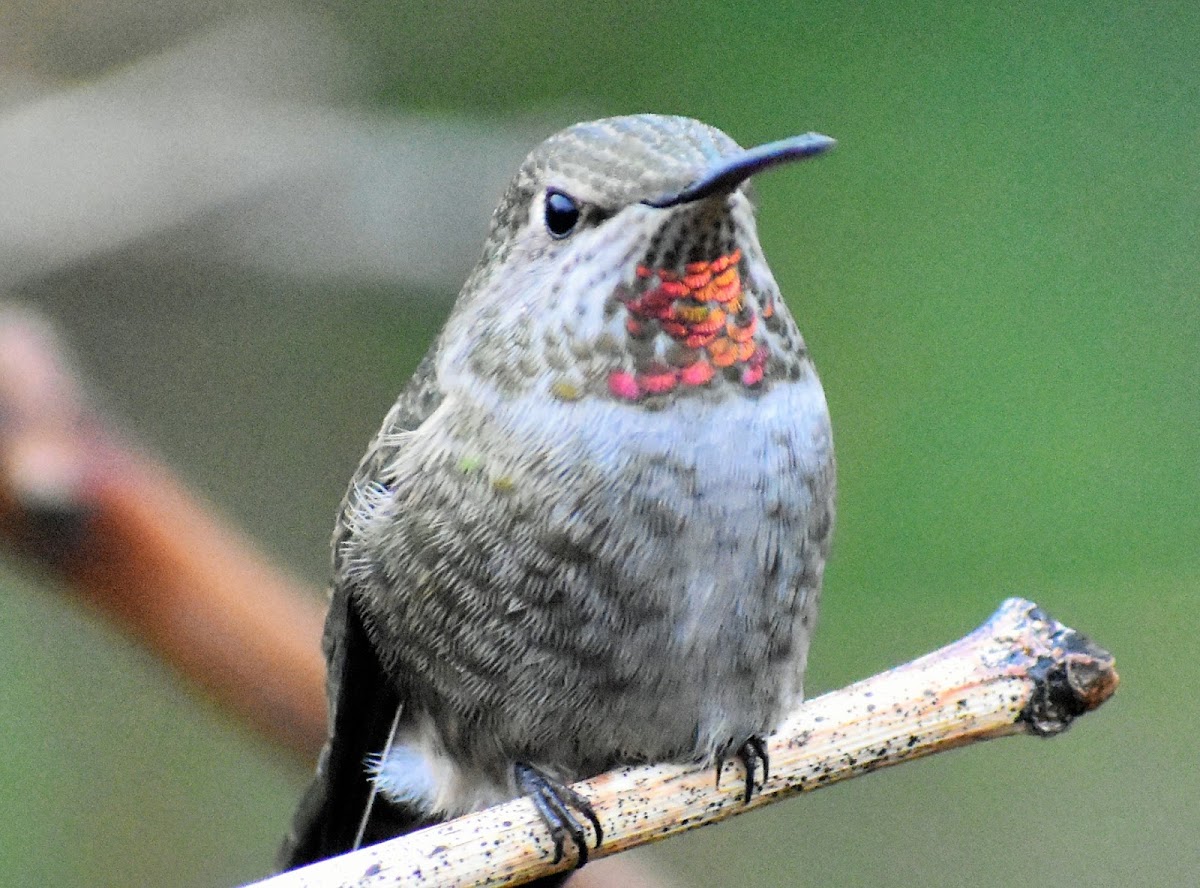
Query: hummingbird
(592,529)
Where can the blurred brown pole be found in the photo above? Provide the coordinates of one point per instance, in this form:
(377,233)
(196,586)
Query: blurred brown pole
(208,603)
(124,536)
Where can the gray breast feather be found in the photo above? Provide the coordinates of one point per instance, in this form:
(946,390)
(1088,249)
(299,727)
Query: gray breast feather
(570,599)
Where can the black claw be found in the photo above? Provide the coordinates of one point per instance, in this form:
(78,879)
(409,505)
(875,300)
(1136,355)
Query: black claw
(554,802)
(750,753)
(760,750)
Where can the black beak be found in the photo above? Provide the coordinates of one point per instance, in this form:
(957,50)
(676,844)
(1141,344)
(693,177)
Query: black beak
(723,177)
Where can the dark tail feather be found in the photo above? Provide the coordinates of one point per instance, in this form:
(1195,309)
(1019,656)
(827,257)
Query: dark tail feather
(362,705)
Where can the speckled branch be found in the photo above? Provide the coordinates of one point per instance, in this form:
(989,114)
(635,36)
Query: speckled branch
(1021,672)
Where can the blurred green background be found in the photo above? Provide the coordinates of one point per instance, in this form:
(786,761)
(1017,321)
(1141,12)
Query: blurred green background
(997,272)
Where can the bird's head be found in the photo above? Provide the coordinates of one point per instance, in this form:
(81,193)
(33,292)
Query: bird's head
(623,263)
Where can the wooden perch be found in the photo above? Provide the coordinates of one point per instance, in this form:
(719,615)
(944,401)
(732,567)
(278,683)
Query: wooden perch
(1021,672)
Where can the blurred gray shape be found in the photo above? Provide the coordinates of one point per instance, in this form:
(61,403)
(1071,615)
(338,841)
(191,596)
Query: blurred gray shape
(236,147)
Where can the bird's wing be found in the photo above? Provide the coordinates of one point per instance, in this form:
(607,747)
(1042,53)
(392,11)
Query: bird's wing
(362,702)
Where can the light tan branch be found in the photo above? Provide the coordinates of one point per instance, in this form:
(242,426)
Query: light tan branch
(1020,673)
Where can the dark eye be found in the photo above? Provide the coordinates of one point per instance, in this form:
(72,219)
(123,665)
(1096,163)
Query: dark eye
(562,213)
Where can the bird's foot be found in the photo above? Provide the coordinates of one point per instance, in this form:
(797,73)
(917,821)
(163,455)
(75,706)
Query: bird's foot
(750,753)
(554,802)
